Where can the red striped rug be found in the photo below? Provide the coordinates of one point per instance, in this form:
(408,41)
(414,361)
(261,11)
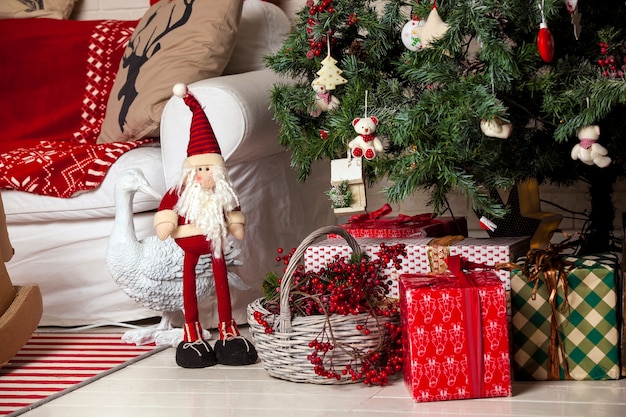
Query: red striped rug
(53,364)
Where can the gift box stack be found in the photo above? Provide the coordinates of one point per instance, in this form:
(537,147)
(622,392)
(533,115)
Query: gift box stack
(455,335)
(575,336)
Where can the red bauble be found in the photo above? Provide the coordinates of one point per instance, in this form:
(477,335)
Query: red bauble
(545,43)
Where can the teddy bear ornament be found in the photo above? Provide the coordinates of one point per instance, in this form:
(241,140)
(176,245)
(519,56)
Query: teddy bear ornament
(588,150)
(496,128)
(324,100)
(366,144)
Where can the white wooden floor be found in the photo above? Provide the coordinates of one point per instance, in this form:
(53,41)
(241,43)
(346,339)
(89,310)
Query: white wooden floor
(157,387)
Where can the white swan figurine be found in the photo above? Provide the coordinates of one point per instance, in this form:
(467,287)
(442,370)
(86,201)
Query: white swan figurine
(150,270)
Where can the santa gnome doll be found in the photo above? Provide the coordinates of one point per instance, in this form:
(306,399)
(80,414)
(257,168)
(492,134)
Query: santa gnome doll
(198,213)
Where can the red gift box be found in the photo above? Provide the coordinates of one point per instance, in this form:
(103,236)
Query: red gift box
(446,226)
(378,225)
(455,335)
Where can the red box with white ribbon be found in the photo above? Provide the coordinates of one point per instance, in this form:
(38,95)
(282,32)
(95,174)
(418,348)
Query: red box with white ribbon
(455,336)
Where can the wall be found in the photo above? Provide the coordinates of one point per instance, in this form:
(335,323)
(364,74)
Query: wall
(573,198)
(110,9)
(134,9)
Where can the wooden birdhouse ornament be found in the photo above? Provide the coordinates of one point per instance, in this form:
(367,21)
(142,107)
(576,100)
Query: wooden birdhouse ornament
(346,177)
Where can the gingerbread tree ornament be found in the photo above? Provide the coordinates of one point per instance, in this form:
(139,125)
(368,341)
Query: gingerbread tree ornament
(329,75)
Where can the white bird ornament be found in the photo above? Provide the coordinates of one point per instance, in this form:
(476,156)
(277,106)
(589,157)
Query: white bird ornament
(150,270)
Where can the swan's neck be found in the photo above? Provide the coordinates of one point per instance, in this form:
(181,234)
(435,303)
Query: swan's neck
(123,225)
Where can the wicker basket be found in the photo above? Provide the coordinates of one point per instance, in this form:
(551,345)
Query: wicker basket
(284,353)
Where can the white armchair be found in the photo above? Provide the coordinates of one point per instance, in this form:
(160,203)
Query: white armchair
(60,244)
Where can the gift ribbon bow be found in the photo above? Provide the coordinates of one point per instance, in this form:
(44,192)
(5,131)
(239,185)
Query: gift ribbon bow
(377,217)
(548,265)
(373,215)
(438,251)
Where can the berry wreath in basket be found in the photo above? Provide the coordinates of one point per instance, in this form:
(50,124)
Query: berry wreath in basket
(346,286)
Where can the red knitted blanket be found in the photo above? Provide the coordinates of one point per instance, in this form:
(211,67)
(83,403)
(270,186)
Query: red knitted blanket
(55,80)
(60,169)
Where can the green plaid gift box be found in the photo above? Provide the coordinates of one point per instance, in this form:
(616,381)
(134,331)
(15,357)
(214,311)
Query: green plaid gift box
(588,327)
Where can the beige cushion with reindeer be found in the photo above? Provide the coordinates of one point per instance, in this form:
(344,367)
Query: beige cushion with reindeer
(53,9)
(179,41)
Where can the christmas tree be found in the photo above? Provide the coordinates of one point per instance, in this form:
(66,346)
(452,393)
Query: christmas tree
(470,95)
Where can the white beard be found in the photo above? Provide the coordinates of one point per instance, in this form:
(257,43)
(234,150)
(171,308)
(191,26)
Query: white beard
(206,209)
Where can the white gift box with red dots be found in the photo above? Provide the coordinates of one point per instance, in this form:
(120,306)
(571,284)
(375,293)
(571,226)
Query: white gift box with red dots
(423,258)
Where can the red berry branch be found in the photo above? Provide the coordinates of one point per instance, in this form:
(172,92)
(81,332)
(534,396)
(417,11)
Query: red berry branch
(612,60)
(318,41)
(345,286)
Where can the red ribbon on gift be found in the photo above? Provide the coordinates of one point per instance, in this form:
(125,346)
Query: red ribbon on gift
(373,215)
(375,218)
(472,316)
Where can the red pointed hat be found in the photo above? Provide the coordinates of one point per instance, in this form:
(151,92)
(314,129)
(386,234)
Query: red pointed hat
(203,148)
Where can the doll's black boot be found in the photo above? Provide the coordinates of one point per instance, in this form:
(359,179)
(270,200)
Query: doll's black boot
(198,354)
(233,349)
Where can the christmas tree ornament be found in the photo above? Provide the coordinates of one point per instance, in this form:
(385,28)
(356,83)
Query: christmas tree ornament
(572,9)
(329,75)
(576,18)
(340,195)
(545,41)
(433,29)
(412,34)
(366,143)
(588,150)
(496,128)
(324,101)
(348,192)
(571,5)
